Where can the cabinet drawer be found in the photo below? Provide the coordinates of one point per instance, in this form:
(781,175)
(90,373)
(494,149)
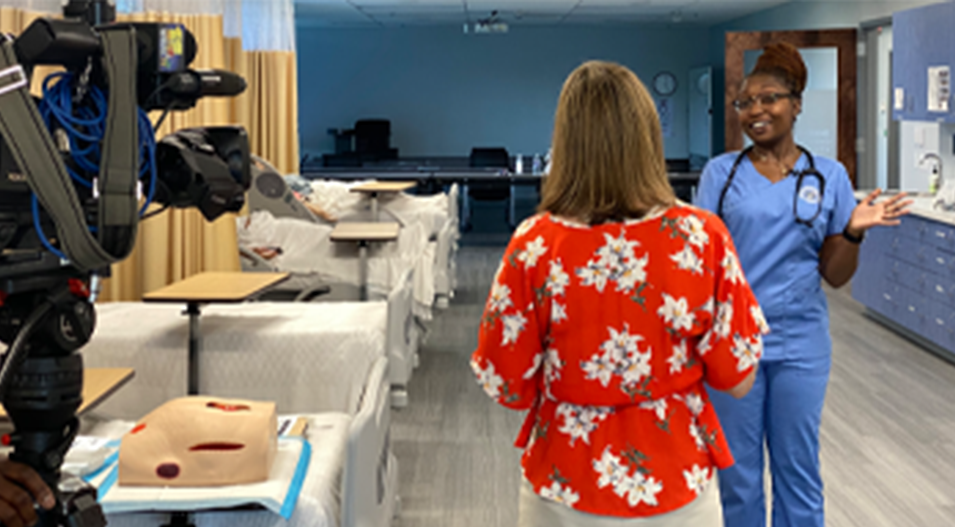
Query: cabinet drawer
(940,327)
(887,300)
(942,236)
(910,250)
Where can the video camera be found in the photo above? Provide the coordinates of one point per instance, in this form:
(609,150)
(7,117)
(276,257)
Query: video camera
(78,168)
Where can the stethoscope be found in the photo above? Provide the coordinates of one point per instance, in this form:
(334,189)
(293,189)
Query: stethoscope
(800,177)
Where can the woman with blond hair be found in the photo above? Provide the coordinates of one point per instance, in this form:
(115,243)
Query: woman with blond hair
(610,309)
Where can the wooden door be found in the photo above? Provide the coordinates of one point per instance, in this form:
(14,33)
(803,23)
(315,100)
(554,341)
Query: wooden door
(844,40)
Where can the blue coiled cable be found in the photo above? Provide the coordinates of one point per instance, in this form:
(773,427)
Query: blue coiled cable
(85,126)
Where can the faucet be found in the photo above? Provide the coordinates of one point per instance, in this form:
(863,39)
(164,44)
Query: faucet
(935,180)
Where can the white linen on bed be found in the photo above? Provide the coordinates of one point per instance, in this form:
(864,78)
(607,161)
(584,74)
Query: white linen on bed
(306,248)
(319,504)
(337,198)
(307,357)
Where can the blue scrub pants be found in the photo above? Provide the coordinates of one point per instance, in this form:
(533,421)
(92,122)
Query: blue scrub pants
(784,409)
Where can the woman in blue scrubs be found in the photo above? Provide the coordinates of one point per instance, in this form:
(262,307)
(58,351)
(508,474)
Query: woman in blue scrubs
(795,221)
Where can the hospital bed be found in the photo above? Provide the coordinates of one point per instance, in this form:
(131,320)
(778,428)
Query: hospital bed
(436,215)
(306,249)
(326,360)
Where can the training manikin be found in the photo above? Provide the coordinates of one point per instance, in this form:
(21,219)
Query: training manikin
(200,441)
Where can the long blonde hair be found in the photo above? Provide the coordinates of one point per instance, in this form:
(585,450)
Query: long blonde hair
(608,161)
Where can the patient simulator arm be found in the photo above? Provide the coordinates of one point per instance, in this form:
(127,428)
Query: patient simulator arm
(19,487)
(320,212)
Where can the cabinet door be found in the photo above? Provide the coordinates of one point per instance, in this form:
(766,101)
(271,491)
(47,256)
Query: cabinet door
(921,37)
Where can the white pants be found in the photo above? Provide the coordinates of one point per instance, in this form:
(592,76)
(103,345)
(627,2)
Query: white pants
(535,511)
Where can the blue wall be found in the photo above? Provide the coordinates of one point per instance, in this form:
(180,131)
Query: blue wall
(445,91)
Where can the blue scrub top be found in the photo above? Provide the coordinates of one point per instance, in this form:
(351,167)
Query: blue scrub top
(779,256)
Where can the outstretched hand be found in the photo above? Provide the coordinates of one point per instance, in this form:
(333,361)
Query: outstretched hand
(869,213)
(20,487)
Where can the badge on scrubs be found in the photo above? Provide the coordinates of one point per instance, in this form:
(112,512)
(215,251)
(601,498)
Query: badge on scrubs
(200,441)
(809,194)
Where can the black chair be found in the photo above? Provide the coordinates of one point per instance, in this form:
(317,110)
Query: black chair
(490,190)
(373,140)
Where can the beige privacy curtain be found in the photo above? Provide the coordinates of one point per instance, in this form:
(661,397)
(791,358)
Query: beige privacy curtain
(179,243)
(260,36)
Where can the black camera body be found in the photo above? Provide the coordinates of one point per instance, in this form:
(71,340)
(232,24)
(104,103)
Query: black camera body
(73,167)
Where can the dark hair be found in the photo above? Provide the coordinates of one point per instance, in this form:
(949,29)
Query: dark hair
(783,61)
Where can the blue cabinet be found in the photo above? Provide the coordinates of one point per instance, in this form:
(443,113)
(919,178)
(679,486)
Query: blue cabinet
(921,38)
(907,275)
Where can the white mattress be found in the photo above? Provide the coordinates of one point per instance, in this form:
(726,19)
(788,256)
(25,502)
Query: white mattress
(307,357)
(336,198)
(319,504)
(306,248)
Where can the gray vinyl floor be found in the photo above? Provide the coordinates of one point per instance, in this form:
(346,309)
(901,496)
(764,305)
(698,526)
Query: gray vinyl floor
(888,435)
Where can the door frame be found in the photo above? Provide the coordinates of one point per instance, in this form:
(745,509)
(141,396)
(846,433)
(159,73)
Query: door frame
(844,40)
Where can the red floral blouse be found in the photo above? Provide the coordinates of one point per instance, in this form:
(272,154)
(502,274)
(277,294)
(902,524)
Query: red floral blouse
(606,334)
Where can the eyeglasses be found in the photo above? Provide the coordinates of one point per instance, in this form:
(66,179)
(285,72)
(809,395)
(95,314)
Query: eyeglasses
(764,99)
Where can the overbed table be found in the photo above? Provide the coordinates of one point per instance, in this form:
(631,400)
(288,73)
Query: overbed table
(364,233)
(206,288)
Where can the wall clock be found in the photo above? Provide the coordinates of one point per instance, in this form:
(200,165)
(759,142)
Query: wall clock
(664,84)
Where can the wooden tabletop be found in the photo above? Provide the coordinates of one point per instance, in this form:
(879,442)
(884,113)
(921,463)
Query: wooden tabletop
(354,231)
(98,384)
(216,287)
(384,186)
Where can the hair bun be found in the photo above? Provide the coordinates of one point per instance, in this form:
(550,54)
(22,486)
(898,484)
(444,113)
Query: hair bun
(783,59)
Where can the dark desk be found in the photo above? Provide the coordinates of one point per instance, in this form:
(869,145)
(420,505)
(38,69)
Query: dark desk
(430,176)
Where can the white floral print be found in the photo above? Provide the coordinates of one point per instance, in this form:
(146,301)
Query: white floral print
(696,435)
(535,365)
(724,319)
(696,478)
(757,313)
(695,231)
(732,272)
(594,276)
(695,403)
(617,262)
(705,345)
(621,356)
(560,494)
(747,351)
(659,406)
(488,379)
(679,358)
(552,366)
(557,279)
(500,298)
(687,260)
(643,490)
(532,252)
(637,488)
(580,421)
(513,327)
(611,469)
(616,249)
(558,313)
(676,313)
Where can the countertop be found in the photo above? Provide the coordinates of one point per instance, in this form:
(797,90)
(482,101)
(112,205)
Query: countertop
(921,207)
